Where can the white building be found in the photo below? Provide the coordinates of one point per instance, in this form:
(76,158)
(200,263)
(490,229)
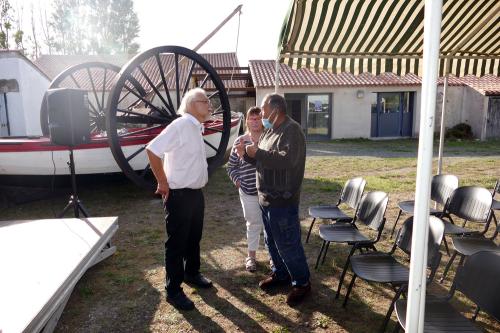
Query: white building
(22,85)
(330,106)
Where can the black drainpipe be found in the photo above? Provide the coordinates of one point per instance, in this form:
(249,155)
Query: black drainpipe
(6,113)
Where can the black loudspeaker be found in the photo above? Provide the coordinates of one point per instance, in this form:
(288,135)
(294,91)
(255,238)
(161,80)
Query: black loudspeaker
(68,110)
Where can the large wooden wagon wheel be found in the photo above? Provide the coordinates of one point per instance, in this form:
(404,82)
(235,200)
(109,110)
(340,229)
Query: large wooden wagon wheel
(94,77)
(134,117)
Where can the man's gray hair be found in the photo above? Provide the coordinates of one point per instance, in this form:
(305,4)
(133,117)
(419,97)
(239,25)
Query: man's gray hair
(276,101)
(188,99)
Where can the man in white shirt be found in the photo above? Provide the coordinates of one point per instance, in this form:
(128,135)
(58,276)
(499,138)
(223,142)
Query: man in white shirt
(180,176)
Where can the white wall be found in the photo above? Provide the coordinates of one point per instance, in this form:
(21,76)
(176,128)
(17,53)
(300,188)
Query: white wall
(23,106)
(351,116)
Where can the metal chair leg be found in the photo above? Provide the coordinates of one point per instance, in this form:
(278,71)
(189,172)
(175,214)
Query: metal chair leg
(349,290)
(395,223)
(448,265)
(391,309)
(319,254)
(324,254)
(476,312)
(342,276)
(310,229)
(446,245)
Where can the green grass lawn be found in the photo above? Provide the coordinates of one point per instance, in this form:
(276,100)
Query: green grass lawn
(125,293)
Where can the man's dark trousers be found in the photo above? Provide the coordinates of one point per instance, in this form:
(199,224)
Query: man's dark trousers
(184,211)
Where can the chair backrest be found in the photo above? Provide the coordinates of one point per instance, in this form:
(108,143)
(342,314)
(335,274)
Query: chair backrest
(371,209)
(478,279)
(471,203)
(436,234)
(352,192)
(442,186)
(496,189)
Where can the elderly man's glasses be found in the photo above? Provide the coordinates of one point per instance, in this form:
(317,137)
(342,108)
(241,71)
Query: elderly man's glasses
(209,102)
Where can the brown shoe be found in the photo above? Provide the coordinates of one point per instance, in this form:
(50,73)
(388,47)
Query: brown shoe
(298,294)
(272,281)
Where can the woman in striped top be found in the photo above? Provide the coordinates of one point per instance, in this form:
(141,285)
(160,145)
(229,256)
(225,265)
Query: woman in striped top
(243,176)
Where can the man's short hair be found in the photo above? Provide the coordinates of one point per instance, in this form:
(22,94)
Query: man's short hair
(276,101)
(188,99)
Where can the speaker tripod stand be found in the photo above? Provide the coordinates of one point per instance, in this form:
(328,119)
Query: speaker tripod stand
(73,202)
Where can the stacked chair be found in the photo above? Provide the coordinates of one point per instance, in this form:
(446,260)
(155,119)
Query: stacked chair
(441,188)
(496,203)
(383,267)
(478,280)
(350,196)
(467,246)
(370,213)
(470,203)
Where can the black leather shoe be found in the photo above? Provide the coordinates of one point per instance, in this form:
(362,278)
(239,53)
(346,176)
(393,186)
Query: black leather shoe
(180,301)
(198,280)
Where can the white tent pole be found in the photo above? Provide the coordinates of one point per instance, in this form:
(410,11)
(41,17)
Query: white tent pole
(277,74)
(447,63)
(417,284)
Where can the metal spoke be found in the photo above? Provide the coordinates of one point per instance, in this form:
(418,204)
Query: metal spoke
(205,79)
(176,60)
(137,152)
(93,89)
(141,131)
(146,102)
(141,70)
(190,73)
(74,80)
(213,95)
(94,109)
(141,115)
(104,86)
(165,86)
(210,145)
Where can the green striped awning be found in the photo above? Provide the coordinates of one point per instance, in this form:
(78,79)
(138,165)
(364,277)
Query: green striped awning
(378,36)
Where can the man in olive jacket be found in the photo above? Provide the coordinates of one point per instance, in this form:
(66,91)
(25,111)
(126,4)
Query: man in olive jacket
(279,157)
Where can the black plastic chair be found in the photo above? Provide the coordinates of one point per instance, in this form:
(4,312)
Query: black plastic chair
(467,246)
(477,279)
(470,203)
(371,211)
(350,196)
(382,267)
(496,203)
(441,188)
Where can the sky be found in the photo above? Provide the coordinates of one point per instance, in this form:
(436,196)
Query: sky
(188,22)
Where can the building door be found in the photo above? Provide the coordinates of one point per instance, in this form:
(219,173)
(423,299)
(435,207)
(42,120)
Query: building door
(4,120)
(392,114)
(318,116)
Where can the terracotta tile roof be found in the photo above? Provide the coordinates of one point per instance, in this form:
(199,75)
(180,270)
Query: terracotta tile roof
(486,85)
(52,65)
(263,72)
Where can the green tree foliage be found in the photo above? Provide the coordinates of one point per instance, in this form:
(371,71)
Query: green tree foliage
(5,23)
(95,26)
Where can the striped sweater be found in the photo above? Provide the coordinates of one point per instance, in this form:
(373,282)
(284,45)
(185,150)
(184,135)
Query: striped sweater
(242,171)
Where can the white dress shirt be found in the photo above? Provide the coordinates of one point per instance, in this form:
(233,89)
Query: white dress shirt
(182,149)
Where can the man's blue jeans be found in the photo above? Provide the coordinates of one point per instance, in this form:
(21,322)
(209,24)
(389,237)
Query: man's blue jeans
(283,239)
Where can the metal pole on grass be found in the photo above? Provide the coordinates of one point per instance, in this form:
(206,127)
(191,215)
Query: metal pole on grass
(416,289)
